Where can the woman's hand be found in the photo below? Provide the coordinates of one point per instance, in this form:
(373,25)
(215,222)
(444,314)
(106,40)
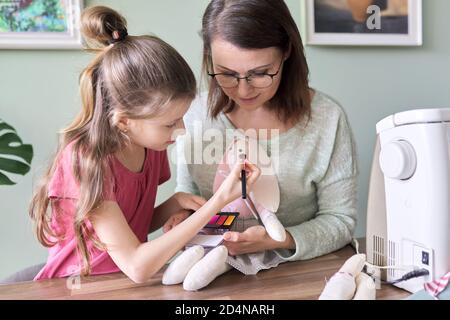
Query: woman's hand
(254,239)
(231,187)
(175,219)
(189,201)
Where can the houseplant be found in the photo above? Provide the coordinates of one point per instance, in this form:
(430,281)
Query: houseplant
(15,157)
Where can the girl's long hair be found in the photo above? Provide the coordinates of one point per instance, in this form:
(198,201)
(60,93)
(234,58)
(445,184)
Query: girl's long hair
(134,77)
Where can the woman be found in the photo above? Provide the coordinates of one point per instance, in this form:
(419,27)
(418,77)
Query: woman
(258,79)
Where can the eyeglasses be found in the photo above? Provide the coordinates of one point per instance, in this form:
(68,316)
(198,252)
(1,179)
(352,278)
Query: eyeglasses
(256,79)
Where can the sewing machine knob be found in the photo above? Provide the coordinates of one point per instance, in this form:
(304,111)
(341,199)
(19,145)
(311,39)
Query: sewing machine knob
(398,160)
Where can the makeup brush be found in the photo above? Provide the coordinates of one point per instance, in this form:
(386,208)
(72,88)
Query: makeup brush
(244,179)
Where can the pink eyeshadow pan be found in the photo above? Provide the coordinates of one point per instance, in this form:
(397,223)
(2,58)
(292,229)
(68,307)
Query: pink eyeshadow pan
(213,220)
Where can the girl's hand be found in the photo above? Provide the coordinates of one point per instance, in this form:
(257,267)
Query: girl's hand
(254,239)
(231,187)
(175,219)
(189,201)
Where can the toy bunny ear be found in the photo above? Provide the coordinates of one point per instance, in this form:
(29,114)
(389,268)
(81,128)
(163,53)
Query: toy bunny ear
(354,264)
(365,288)
(342,284)
(265,190)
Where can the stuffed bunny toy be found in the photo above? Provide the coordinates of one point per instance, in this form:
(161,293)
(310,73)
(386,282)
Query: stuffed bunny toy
(350,283)
(264,199)
(195,269)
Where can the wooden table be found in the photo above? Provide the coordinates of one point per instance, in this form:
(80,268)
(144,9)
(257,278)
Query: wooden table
(291,280)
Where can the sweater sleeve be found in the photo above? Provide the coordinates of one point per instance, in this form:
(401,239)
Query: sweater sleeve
(334,223)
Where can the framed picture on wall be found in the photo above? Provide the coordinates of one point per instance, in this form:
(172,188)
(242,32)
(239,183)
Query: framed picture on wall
(363,22)
(40,24)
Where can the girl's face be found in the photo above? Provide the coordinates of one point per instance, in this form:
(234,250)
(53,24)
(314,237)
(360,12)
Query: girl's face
(232,60)
(158,132)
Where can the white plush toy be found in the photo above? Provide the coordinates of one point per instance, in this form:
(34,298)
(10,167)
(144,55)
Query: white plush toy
(195,269)
(264,199)
(349,283)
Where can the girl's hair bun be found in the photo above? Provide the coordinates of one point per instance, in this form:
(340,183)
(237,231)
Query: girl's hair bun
(103,25)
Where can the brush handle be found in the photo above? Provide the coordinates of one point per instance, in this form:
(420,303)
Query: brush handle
(244,184)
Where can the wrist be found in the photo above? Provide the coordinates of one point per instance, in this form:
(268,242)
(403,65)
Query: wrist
(176,196)
(219,199)
(177,199)
(289,243)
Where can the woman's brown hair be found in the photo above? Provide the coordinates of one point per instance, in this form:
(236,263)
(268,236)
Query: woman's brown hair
(131,76)
(258,24)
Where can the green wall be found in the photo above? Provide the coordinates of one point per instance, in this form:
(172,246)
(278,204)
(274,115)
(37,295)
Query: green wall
(39,95)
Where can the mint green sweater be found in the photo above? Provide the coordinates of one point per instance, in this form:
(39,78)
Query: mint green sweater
(317,174)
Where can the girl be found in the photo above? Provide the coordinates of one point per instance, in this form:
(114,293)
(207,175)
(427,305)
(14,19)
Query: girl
(102,184)
(254,58)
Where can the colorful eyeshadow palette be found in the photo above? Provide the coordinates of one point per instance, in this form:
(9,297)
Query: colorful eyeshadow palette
(222,220)
(211,235)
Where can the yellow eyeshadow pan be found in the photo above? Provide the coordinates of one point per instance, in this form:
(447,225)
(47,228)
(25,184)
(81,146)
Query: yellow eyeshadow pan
(229,220)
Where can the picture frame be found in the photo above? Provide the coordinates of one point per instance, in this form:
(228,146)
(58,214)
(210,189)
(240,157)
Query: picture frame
(382,23)
(40,24)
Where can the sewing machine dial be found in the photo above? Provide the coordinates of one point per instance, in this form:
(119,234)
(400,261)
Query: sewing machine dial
(398,160)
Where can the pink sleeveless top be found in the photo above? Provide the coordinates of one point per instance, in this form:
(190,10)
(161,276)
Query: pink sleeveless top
(135,194)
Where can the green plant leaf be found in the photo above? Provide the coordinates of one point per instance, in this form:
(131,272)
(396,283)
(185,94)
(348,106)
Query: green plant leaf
(4,180)
(13,166)
(5,126)
(11,145)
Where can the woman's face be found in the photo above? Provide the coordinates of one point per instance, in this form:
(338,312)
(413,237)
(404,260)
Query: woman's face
(233,60)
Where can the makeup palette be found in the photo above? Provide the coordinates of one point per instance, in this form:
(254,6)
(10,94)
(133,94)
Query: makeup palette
(211,235)
(222,220)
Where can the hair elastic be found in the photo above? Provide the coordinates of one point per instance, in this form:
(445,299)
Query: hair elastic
(118,35)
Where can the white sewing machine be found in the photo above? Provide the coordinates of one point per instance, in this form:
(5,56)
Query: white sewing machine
(408,212)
